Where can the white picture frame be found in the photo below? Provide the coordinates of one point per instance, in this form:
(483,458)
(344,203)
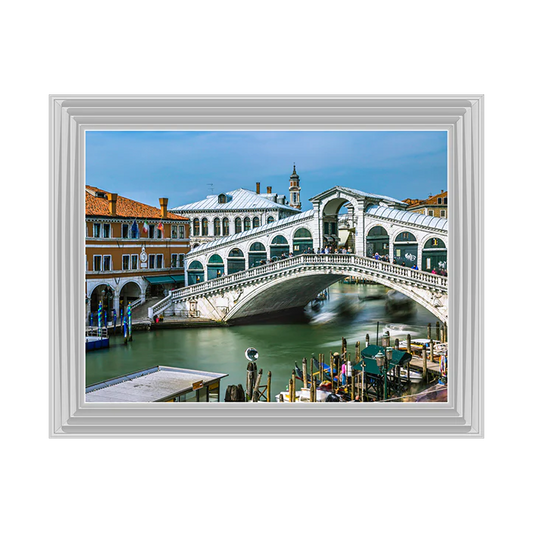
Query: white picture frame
(460,115)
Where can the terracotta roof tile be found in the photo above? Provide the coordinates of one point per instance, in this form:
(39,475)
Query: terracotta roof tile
(126,208)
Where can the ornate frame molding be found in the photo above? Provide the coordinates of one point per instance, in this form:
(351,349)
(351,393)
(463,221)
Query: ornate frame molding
(460,115)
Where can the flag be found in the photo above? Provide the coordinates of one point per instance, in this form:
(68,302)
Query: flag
(134,230)
(145,227)
(160,228)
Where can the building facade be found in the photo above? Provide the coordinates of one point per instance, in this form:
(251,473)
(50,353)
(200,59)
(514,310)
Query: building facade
(133,250)
(434,206)
(230,213)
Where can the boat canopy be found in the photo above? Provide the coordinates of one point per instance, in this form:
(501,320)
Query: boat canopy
(399,357)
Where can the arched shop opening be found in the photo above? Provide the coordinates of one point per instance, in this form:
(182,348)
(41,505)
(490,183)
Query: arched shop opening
(256,254)
(128,294)
(434,255)
(236,261)
(405,249)
(279,246)
(377,241)
(195,273)
(302,242)
(105,294)
(215,267)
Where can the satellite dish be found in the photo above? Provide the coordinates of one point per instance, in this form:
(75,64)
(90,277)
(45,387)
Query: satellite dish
(251,354)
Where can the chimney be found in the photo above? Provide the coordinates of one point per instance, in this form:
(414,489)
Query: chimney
(163,202)
(258,188)
(112,197)
(441,191)
(269,190)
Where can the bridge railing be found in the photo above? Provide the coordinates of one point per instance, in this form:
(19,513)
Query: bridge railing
(405,274)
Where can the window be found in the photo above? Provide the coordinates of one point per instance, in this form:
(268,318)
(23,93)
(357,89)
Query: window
(238,225)
(134,262)
(225,226)
(96,230)
(217,226)
(97,263)
(443,213)
(151,261)
(205,227)
(174,261)
(430,212)
(439,200)
(182,232)
(445,200)
(159,261)
(107,231)
(256,222)
(107,262)
(151,231)
(125,262)
(174,232)
(160,233)
(125,231)
(270,220)
(196,227)
(181,262)
(246,224)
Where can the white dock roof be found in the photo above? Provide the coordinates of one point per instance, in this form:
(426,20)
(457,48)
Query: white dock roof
(151,385)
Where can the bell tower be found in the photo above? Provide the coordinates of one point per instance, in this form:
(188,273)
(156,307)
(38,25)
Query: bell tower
(294,190)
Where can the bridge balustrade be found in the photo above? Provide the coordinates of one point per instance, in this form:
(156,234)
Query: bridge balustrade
(372,265)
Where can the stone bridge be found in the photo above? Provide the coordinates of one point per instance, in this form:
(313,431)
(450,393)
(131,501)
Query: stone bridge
(233,277)
(292,283)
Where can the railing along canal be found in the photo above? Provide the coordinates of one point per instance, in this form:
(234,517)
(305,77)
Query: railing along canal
(368,265)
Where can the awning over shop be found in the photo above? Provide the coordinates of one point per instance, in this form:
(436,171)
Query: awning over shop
(155,280)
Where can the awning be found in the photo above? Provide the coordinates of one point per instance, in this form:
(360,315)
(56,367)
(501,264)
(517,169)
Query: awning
(155,280)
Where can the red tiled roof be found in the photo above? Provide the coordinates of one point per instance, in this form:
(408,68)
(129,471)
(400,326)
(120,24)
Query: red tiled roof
(126,208)
(432,200)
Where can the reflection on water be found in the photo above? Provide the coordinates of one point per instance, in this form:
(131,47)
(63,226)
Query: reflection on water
(351,311)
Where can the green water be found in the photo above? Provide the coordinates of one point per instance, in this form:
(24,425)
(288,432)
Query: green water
(221,349)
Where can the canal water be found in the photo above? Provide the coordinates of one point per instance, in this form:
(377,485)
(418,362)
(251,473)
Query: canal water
(351,311)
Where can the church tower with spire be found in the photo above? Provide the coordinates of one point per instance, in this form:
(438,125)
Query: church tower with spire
(294,190)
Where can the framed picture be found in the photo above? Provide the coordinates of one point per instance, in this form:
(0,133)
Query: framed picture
(71,115)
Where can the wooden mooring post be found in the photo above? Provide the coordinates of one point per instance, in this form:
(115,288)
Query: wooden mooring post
(321,367)
(269,385)
(255,393)
(409,343)
(437,331)
(429,330)
(431,350)
(304,370)
(424,364)
(357,352)
(367,340)
(250,380)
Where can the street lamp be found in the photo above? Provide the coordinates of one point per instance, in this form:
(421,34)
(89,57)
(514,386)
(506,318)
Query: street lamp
(383,362)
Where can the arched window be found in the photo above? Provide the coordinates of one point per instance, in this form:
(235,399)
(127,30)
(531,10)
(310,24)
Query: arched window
(196,227)
(257,255)
(215,267)
(225,226)
(256,222)
(246,224)
(238,225)
(222,199)
(377,242)
(405,236)
(434,256)
(217,226)
(302,241)
(236,261)
(195,273)
(405,249)
(205,227)
(279,247)
(270,220)
(279,239)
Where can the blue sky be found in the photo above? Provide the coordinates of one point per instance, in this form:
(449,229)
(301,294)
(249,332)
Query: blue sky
(145,166)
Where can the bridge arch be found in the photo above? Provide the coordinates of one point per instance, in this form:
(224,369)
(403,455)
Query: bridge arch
(292,291)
